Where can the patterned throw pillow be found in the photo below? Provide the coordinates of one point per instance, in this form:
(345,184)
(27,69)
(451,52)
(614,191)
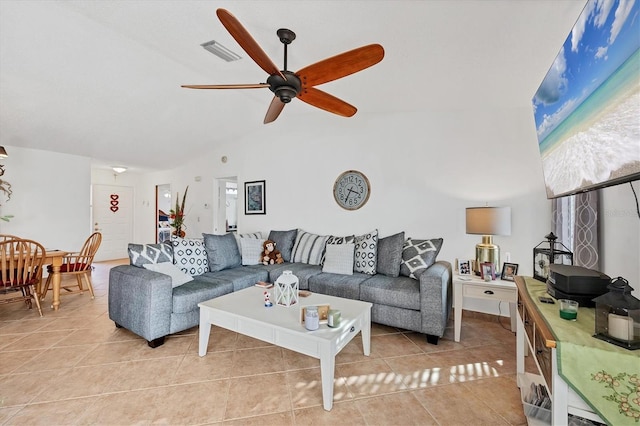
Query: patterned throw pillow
(284,242)
(308,248)
(222,252)
(339,259)
(366,253)
(418,255)
(251,249)
(142,254)
(189,254)
(349,239)
(390,255)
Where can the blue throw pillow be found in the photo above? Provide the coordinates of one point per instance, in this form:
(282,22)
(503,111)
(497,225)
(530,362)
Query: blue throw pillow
(222,252)
(390,255)
(284,242)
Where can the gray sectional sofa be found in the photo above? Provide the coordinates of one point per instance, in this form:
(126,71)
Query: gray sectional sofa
(408,287)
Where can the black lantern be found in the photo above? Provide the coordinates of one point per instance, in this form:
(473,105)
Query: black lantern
(618,315)
(548,252)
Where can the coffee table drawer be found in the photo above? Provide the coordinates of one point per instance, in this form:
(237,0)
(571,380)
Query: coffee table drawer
(295,343)
(260,331)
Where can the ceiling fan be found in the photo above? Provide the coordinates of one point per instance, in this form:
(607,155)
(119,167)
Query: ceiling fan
(287,85)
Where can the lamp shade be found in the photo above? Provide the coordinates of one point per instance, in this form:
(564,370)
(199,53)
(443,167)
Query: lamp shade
(488,220)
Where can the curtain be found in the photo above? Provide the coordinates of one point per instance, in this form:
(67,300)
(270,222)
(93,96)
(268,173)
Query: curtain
(575,223)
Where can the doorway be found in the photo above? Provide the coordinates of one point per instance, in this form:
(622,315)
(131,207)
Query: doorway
(112,214)
(162,215)
(225,206)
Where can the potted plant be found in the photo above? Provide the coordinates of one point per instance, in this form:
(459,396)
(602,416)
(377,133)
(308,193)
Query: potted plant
(177,215)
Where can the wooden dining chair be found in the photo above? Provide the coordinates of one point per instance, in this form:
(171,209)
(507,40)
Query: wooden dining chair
(5,237)
(78,264)
(21,264)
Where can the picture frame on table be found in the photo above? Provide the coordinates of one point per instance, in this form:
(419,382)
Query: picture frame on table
(464,267)
(509,271)
(487,269)
(255,197)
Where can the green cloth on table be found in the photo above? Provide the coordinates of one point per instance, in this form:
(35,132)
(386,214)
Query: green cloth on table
(606,376)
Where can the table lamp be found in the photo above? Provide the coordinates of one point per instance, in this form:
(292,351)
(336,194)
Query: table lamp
(488,221)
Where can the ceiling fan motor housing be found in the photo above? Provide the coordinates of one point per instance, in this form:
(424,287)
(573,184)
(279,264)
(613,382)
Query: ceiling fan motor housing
(285,89)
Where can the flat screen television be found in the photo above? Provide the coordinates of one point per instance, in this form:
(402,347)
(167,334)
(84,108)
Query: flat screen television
(587,109)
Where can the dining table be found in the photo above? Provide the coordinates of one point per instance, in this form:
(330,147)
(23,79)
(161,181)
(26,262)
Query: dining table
(55,258)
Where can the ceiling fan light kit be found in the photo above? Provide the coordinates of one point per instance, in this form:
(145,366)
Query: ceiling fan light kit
(286,84)
(220,51)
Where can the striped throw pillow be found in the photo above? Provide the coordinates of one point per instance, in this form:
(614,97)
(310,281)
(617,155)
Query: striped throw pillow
(308,248)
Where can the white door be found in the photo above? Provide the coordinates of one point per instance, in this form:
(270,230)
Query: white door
(113,217)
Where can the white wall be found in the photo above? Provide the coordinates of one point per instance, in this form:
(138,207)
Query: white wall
(620,228)
(51,197)
(424,168)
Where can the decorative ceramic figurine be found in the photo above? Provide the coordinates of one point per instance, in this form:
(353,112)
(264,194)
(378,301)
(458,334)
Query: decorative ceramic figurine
(267,300)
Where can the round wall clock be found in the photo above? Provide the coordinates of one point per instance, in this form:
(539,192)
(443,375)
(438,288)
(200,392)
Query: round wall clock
(351,190)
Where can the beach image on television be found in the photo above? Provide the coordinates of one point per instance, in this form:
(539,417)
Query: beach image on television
(587,109)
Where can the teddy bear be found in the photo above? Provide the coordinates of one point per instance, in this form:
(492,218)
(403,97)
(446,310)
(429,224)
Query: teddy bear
(270,255)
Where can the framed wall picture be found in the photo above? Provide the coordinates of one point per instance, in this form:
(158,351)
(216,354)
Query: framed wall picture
(254,197)
(464,267)
(509,271)
(487,269)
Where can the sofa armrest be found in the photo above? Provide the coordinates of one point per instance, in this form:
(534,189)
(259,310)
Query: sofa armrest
(140,301)
(436,298)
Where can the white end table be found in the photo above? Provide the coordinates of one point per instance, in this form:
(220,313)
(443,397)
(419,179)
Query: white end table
(473,287)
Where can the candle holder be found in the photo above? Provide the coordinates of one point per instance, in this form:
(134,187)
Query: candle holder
(286,289)
(618,315)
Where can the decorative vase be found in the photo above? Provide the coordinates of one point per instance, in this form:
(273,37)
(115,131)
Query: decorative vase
(286,289)
(179,233)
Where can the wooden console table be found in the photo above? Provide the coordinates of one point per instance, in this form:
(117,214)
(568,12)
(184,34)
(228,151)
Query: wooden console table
(550,338)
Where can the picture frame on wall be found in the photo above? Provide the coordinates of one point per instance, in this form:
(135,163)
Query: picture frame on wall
(255,197)
(509,271)
(464,267)
(487,269)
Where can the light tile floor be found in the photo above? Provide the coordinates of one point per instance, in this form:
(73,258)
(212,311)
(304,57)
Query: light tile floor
(74,367)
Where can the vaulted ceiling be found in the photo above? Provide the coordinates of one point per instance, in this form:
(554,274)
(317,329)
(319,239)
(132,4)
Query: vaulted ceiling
(102,78)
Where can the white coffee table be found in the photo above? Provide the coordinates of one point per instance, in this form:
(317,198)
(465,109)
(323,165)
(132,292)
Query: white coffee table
(244,312)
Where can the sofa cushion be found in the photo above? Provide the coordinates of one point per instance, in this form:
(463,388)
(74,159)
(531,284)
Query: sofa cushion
(366,253)
(240,277)
(339,258)
(190,255)
(178,276)
(390,254)
(301,270)
(347,286)
(418,255)
(400,292)
(142,254)
(251,249)
(309,248)
(284,242)
(187,296)
(222,251)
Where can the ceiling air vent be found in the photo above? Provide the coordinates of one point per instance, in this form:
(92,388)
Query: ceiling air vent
(220,51)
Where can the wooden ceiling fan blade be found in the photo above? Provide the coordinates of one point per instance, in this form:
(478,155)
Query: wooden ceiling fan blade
(246,41)
(225,86)
(341,65)
(327,102)
(275,108)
